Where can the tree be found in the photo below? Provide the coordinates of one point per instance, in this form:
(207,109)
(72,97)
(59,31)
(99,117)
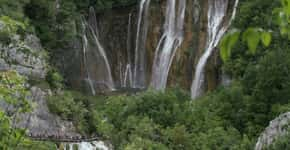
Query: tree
(253,36)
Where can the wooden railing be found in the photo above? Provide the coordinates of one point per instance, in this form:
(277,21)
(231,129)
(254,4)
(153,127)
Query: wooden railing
(60,139)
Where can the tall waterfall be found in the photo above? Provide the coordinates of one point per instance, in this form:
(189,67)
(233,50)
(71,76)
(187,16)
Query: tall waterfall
(96,145)
(96,63)
(217,13)
(126,77)
(169,43)
(139,77)
(57,5)
(85,48)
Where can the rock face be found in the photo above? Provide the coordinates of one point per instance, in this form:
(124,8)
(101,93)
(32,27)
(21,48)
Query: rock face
(41,123)
(28,57)
(278,127)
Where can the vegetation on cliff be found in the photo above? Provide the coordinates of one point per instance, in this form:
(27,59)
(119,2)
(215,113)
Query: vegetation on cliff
(228,118)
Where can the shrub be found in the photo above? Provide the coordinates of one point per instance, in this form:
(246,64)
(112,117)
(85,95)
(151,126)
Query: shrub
(54,79)
(65,106)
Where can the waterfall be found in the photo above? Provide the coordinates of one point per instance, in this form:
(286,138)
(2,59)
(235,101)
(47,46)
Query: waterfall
(96,145)
(140,52)
(57,4)
(121,75)
(85,47)
(129,38)
(169,43)
(196,11)
(95,59)
(127,77)
(217,13)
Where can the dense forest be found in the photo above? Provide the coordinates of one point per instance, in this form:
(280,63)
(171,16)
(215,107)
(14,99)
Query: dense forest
(40,39)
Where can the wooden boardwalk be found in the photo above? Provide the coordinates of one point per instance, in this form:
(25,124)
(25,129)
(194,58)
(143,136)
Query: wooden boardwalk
(59,139)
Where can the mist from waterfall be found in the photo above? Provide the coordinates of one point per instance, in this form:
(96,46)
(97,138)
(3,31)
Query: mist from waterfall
(170,41)
(139,74)
(217,27)
(96,64)
(96,145)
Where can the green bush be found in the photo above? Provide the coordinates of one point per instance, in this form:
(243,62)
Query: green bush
(171,121)
(54,79)
(68,108)
(14,93)
(13,9)
(10,28)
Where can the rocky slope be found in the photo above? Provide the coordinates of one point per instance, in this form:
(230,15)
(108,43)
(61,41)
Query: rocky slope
(28,58)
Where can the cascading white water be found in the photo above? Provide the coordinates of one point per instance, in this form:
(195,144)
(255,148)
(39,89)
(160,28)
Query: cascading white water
(98,71)
(96,145)
(126,77)
(217,12)
(57,4)
(129,38)
(85,47)
(196,11)
(140,52)
(109,80)
(169,43)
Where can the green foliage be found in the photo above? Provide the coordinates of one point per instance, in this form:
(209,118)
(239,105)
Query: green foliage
(13,93)
(104,4)
(266,38)
(268,84)
(228,118)
(13,9)
(263,77)
(36,145)
(252,37)
(154,120)
(282,17)
(139,143)
(57,27)
(227,43)
(54,79)
(281,143)
(9,28)
(9,137)
(10,25)
(169,121)
(65,105)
